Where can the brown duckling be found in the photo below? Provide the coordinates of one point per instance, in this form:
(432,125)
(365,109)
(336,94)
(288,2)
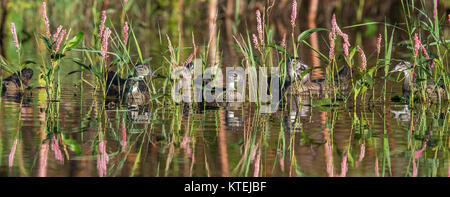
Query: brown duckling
(15,84)
(134,87)
(308,86)
(433,91)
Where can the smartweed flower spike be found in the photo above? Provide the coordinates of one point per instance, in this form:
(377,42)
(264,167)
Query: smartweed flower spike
(102,24)
(125,30)
(46,22)
(255,41)
(105,41)
(379,44)
(259,27)
(363,59)
(14,34)
(335,29)
(425,53)
(334,26)
(331,38)
(294,13)
(55,36)
(60,38)
(417,44)
(191,57)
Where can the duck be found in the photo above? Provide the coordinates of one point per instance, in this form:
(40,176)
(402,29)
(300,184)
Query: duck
(433,91)
(306,85)
(17,84)
(137,89)
(133,88)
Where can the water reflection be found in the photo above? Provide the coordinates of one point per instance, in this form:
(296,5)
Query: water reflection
(48,139)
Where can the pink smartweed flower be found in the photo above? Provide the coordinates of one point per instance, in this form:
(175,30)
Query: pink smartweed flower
(379,44)
(55,36)
(255,41)
(335,29)
(14,34)
(334,26)
(105,41)
(417,44)
(55,148)
(125,31)
(331,37)
(259,26)
(346,44)
(58,43)
(191,57)
(414,76)
(13,152)
(363,58)
(102,159)
(294,13)
(125,2)
(102,24)
(46,22)
(425,53)
(283,41)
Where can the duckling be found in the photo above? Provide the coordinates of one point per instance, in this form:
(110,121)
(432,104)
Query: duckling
(136,87)
(432,89)
(15,84)
(133,87)
(317,86)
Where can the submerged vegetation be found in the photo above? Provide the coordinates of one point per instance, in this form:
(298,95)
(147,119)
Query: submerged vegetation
(345,87)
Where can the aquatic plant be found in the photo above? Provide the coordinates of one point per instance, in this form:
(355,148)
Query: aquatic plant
(57,49)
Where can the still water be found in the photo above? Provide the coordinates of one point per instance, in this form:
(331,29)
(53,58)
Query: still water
(380,140)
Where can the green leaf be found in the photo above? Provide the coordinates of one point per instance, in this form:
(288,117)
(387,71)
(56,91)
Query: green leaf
(308,32)
(73,42)
(72,144)
(46,41)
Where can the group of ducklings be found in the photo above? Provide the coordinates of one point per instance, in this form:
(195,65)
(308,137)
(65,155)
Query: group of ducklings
(136,91)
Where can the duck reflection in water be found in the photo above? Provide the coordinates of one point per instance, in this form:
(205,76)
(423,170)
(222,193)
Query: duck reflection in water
(403,114)
(139,116)
(232,119)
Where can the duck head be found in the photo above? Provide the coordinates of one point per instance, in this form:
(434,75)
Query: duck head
(295,69)
(403,66)
(143,70)
(26,74)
